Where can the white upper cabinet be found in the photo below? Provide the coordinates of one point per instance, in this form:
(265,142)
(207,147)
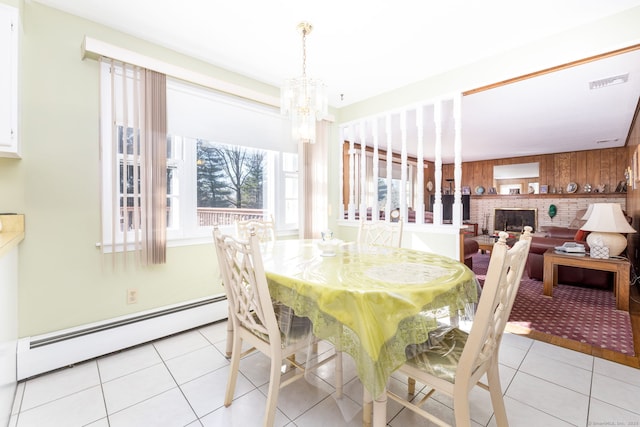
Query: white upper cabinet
(9,146)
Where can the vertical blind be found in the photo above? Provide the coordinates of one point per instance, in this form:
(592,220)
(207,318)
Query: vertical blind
(133,145)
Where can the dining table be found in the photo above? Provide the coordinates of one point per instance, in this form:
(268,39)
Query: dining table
(371,302)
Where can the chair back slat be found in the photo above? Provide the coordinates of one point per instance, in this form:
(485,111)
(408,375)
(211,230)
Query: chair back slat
(264,229)
(502,281)
(381,233)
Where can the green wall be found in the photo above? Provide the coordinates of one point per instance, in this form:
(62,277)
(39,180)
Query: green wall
(64,281)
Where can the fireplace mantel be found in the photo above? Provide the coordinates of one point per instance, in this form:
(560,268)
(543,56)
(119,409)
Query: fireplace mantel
(567,206)
(550,196)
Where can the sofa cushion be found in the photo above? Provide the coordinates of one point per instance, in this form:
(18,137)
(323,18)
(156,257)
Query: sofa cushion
(560,233)
(581,236)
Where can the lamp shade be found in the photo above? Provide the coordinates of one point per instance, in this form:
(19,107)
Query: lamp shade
(587,214)
(606,221)
(608,218)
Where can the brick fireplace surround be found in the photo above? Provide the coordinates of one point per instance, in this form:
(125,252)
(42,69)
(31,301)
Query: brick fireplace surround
(482,208)
(515,219)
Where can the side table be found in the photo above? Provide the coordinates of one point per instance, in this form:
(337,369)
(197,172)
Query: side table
(472,228)
(620,268)
(485,242)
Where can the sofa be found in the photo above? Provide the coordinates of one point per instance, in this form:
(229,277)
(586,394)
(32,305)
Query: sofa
(550,237)
(470,248)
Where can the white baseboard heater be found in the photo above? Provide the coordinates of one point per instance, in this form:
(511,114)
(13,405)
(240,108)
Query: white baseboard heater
(44,353)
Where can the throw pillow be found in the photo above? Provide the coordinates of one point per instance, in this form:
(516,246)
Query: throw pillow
(581,236)
(578,221)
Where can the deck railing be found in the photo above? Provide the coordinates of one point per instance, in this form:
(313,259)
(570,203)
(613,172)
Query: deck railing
(208,216)
(227,216)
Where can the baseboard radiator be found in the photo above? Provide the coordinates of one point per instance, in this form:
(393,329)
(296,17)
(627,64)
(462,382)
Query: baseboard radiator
(44,353)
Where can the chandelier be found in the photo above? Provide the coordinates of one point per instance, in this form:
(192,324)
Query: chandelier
(304,99)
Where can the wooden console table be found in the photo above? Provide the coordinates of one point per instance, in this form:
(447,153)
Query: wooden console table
(619,267)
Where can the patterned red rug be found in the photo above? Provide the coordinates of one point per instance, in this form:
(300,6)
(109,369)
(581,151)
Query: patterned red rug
(582,314)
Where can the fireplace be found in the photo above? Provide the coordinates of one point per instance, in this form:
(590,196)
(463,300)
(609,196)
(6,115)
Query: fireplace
(514,219)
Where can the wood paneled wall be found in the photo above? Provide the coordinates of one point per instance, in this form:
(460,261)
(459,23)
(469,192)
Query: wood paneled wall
(595,167)
(633,199)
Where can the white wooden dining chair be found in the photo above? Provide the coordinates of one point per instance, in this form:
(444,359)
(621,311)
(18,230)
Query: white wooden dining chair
(264,229)
(457,363)
(381,233)
(275,332)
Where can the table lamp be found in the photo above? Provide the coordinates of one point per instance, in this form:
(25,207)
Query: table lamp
(605,222)
(587,214)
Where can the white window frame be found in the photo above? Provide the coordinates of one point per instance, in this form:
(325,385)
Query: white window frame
(184,228)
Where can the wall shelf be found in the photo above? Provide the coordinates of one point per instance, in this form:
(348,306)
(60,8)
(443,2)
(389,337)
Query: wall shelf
(549,196)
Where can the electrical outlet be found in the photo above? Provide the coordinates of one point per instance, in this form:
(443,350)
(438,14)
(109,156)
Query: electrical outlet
(132,296)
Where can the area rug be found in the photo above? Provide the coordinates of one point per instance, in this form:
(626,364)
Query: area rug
(577,313)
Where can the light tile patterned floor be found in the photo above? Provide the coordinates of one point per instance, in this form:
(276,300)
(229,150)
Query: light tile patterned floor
(180,380)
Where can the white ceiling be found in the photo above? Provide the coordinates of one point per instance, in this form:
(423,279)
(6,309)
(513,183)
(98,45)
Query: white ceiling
(554,113)
(362,48)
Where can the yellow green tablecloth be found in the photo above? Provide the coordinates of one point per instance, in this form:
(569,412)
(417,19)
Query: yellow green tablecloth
(370,302)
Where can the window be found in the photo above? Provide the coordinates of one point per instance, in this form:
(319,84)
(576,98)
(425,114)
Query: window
(227,159)
(394,160)
(387,194)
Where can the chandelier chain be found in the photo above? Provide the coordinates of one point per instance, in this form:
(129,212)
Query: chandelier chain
(304,51)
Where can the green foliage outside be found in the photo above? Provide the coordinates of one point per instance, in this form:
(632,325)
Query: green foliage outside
(230,176)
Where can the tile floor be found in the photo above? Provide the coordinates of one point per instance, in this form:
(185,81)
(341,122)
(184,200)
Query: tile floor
(180,380)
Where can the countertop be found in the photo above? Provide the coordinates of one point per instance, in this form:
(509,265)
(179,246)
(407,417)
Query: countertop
(12,232)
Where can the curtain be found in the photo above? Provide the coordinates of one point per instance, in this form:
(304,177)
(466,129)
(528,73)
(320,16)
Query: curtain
(155,145)
(134,149)
(315,186)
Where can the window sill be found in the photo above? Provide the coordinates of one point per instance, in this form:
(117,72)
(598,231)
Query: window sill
(203,238)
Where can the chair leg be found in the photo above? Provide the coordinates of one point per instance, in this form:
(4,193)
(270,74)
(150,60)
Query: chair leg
(229,336)
(233,370)
(461,410)
(272,394)
(411,386)
(292,360)
(495,390)
(367,408)
(338,374)
(380,410)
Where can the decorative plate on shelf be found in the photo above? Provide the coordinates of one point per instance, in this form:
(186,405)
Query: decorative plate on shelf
(479,189)
(572,187)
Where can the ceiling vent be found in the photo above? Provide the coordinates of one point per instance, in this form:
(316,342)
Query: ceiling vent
(609,81)
(606,141)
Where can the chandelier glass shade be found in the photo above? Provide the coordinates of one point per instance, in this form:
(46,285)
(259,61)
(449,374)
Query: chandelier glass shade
(304,99)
